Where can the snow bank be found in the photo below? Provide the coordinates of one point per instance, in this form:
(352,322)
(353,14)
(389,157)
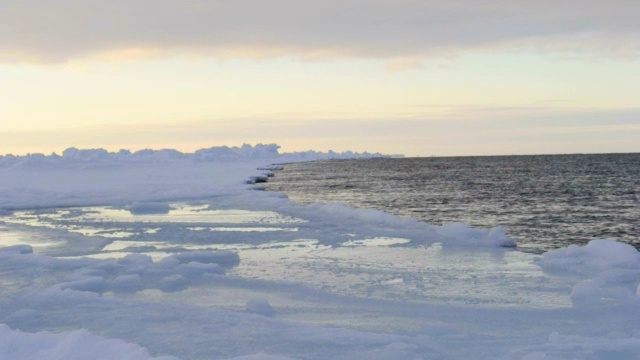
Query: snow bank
(132,273)
(592,259)
(73,345)
(16,249)
(222,258)
(98,177)
(608,271)
(90,157)
(562,346)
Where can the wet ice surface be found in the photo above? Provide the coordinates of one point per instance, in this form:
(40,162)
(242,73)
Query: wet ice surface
(309,282)
(272,247)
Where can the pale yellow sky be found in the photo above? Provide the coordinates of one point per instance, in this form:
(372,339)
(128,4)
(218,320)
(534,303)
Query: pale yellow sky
(537,84)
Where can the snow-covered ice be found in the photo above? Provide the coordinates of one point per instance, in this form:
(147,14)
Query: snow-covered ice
(160,254)
(72,345)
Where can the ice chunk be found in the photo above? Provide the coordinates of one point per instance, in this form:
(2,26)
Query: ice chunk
(149,208)
(260,307)
(17,249)
(92,284)
(86,155)
(73,345)
(458,234)
(127,283)
(257,179)
(608,271)
(173,283)
(222,258)
(593,258)
(196,269)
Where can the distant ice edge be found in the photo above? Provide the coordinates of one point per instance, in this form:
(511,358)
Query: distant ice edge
(215,153)
(99,177)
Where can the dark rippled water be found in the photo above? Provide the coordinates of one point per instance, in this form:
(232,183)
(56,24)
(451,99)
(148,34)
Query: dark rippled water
(543,202)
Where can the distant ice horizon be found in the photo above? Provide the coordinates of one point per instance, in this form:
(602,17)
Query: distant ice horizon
(219,152)
(315,154)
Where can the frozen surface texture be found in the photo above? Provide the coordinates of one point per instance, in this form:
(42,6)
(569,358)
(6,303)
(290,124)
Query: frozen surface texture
(72,345)
(159,254)
(609,271)
(98,177)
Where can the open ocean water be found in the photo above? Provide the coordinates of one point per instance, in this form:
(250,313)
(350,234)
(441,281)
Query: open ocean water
(543,202)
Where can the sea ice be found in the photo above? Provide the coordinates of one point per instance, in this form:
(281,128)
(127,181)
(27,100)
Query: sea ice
(72,345)
(312,286)
(608,271)
(260,307)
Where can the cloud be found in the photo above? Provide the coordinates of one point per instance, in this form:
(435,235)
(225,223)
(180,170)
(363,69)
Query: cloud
(58,31)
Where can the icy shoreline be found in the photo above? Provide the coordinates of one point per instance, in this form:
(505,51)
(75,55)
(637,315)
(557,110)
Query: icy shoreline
(183,260)
(98,177)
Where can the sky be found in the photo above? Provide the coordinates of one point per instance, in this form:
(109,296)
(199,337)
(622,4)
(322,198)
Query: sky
(420,78)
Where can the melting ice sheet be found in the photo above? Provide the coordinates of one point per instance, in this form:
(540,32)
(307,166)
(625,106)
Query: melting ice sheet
(177,213)
(296,282)
(273,247)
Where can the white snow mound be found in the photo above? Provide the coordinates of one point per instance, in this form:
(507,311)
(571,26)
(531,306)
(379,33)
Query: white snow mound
(608,271)
(73,345)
